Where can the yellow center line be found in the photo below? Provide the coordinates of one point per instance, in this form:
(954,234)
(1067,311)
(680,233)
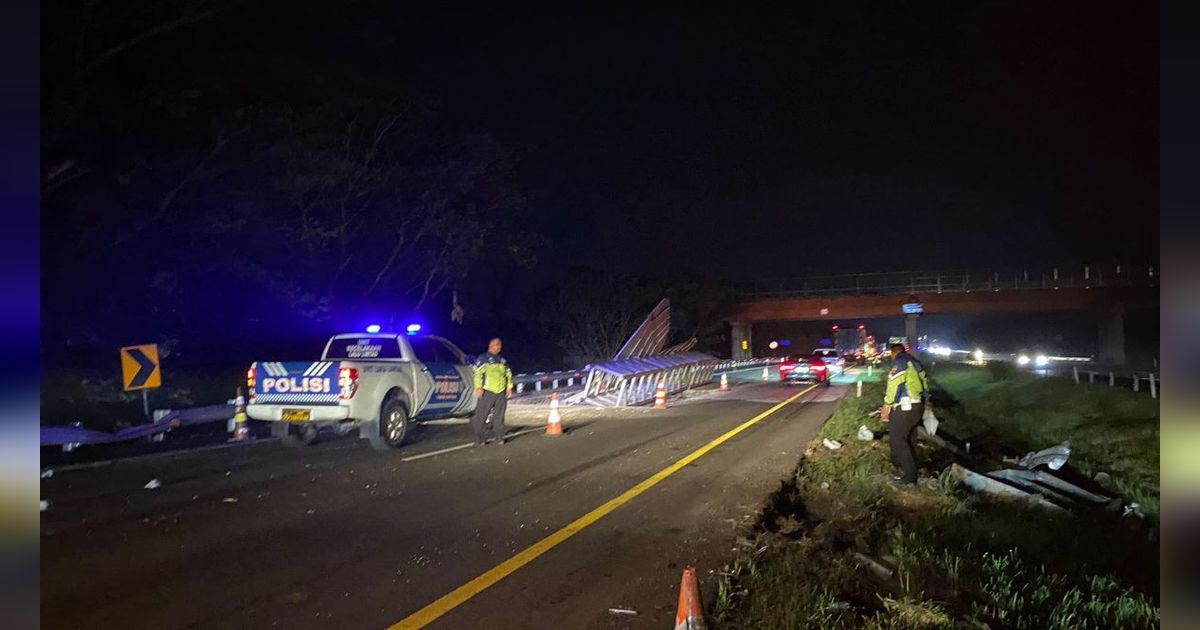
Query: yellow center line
(458,596)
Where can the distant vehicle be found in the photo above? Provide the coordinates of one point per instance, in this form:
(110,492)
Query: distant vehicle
(849,343)
(832,359)
(803,370)
(377,383)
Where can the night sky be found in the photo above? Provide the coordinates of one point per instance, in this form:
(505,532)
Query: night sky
(738,143)
(993,134)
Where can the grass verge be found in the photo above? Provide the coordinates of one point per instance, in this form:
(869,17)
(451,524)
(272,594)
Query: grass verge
(839,547)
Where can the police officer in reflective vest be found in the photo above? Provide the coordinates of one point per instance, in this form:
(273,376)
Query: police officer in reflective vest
(493,388)
(903,408)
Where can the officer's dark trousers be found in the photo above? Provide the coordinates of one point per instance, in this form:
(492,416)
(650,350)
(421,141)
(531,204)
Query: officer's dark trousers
(495,404)
(902,428)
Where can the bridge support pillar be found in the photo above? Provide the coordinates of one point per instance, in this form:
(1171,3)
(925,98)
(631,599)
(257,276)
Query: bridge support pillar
(910,330)
(1112,336)
(742,342)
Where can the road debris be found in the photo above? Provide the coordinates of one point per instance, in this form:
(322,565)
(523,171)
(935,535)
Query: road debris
(995,487)
(153,484)
(623,611)
(229,500)
(865,434)
(874,565)
(48,473)
(1133,509)
(1103,479)
(832,445)
(45,505)
(1054,457)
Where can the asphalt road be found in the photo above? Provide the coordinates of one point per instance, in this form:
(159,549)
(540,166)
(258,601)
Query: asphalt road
(341,536)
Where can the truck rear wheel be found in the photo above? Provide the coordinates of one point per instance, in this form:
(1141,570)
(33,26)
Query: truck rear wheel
(393,425)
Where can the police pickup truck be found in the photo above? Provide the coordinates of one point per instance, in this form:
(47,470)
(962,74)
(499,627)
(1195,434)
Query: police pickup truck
(377,383)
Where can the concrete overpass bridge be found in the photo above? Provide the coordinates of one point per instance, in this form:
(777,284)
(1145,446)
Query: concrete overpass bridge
(1108,291)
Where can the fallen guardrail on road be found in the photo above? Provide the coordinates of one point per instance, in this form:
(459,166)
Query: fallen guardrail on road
(73,435)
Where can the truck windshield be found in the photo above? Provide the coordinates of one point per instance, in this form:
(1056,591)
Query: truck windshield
(363,348)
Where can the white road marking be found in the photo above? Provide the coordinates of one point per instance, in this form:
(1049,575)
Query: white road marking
(449,449)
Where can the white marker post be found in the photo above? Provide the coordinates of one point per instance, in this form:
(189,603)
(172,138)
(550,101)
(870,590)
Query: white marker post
(859,389)
(1153,389)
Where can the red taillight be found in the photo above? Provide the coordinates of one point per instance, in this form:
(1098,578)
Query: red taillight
(251,377)
(347,383)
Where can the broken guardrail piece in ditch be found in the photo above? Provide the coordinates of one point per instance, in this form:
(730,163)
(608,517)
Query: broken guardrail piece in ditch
(876,567)
(1053,487)
(1053,458)
(995,487)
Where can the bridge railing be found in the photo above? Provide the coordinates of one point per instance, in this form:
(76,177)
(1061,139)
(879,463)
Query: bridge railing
(898,282)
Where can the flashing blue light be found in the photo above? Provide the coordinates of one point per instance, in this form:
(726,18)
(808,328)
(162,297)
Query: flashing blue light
(373,328)
(785,343)
(413,329)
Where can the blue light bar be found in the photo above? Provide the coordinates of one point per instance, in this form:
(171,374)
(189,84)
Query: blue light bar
(373,328)
(413,329)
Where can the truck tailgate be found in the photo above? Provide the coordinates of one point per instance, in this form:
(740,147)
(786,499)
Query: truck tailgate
(296,383)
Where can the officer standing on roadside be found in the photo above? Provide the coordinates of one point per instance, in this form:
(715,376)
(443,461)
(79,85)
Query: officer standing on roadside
(493,388)
(903,408)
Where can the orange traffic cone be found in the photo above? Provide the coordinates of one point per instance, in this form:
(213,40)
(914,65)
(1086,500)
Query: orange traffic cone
(724,382)
(690,614)
(554,423)
(660,396)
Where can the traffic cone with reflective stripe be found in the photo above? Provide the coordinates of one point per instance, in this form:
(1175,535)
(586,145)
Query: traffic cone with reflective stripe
(724,382)
(690,614)
(660,396)
(240,431)
(554,424)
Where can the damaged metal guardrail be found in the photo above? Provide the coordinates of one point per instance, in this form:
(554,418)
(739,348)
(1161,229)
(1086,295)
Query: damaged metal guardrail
(538,381)
(629,382)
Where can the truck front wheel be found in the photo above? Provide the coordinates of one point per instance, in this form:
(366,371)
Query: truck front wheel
(393,425)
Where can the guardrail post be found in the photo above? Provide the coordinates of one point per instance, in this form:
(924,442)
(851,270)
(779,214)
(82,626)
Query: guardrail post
(1091,377)
(537,386)
(554,384)
(939,283)
(1075,373)
(1153,388)
(1135,382)
(621,395)
(1112,380)
(520,388)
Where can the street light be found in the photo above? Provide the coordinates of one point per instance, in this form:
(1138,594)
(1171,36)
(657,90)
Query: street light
(773,345)
(979,355)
